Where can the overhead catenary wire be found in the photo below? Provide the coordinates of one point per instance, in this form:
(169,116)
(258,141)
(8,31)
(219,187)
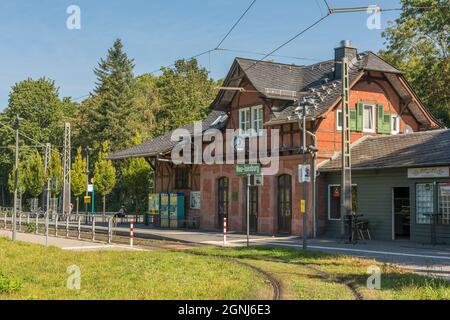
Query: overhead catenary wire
(25,135)
(316,22)
(213,49)
(264,54)
(235,24)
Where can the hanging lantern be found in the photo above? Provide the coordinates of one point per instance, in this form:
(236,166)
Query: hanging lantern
(336,192)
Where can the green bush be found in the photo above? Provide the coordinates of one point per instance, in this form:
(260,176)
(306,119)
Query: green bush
(8,285)
(30,227)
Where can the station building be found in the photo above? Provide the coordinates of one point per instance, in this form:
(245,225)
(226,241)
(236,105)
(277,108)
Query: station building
(400,152)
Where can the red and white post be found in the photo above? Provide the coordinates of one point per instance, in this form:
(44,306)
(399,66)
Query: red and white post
(131,231)
(224,231)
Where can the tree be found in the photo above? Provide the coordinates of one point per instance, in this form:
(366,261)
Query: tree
(55,173)
(33,174)
(78,176)
(20,182)
(104,174)
(38,103)
(146,103)
(185,94)
(417,43)
(114,88)
(136,177)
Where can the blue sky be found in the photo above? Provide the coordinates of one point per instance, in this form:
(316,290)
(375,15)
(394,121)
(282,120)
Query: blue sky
(36,42)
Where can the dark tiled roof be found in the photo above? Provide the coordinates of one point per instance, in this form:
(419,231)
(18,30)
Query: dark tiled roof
(284,81)
(164,143)
(425,148)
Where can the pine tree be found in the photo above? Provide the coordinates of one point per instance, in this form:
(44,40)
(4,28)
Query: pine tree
(114,88)
(78,176)
(104,174)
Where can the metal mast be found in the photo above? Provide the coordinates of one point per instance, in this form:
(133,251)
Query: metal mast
(66,169)
(47,158)
(16,178)
(346,185)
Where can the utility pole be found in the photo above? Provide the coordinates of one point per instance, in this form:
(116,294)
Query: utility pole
(66,170)
(248,209)
(87,181)
(47,159)
(305,184)
(16,177)
(346,183)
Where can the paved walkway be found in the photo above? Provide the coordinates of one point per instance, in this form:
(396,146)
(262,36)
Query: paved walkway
(65,244)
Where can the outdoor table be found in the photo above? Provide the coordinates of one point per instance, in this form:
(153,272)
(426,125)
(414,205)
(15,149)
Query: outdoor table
(434,220)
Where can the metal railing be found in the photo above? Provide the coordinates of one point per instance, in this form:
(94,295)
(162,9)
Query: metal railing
(72,226)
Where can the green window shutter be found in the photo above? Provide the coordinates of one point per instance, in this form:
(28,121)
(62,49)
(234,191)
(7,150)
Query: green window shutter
(387,123)
(380,118)
(352,119)
(359,116)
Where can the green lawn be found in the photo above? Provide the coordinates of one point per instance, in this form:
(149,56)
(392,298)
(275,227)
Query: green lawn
(29,271)
(301,282)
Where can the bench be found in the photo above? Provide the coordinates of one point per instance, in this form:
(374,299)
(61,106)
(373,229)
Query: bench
(190,223)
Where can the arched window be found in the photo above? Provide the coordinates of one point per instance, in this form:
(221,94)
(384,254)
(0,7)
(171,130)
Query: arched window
(284,203)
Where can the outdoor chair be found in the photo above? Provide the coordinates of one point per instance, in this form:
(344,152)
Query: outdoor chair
(362,228)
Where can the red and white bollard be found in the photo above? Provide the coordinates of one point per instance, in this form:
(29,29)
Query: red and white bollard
(224,231)
(131,231)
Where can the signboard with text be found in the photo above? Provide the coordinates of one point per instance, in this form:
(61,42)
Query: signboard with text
(248,168)
(431,172)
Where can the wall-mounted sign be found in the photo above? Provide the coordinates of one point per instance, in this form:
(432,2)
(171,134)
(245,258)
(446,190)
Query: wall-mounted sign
(304,173)
(87,199)
(248,168)
(195,200)
(431,172)
(258,180)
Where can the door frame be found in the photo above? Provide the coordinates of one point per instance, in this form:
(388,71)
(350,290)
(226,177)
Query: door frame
(393,211)
(278,204)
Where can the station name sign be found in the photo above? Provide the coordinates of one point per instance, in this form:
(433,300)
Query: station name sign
(431,172)
(248,168)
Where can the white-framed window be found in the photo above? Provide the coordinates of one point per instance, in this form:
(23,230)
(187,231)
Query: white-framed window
(251,121)
(444,202)
(424,202)
(244,121)
(257,120)
(368,118)
(395,124)
(339,119)
(334,201)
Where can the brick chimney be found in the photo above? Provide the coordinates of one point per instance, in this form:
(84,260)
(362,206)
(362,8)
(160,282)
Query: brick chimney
(344,50)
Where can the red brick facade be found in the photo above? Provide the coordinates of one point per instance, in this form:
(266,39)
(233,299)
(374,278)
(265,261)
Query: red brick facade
(204,178)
